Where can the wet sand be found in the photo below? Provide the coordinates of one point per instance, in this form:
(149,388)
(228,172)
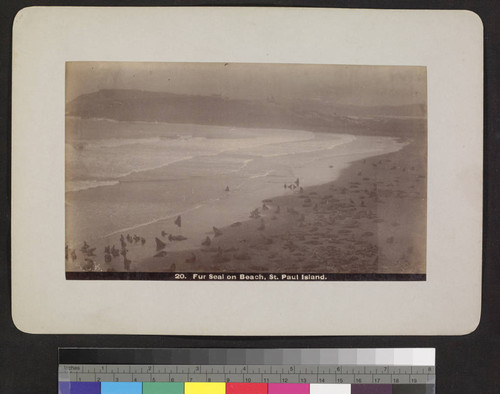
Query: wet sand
(371,219)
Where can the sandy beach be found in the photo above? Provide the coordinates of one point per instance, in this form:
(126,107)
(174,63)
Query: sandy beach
(369,220)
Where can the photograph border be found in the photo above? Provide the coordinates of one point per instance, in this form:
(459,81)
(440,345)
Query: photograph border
(450,299)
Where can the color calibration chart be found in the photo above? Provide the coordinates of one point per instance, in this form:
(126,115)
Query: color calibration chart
(247,371)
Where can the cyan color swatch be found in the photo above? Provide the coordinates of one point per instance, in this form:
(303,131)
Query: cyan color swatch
(121,388)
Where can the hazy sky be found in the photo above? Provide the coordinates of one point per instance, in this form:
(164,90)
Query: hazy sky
(361,85)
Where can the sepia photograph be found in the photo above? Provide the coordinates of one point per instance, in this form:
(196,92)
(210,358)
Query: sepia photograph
(245,171)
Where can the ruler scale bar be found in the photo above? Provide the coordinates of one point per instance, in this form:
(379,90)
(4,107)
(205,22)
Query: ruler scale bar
(348,374)
(225,371)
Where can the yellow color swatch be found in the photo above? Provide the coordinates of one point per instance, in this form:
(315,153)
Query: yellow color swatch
(204,388)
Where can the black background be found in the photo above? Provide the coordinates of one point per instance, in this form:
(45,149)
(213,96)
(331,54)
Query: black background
(465,364)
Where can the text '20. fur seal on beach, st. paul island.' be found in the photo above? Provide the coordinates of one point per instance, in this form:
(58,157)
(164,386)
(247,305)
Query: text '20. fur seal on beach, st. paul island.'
(250,277)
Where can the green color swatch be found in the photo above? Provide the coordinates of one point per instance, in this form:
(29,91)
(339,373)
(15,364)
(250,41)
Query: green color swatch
(162,388)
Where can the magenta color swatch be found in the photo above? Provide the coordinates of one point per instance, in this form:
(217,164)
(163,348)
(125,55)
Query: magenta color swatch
(371,389)
(287,388)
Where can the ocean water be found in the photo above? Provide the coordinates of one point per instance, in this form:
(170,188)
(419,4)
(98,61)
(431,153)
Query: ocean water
(122,175)
(102,152)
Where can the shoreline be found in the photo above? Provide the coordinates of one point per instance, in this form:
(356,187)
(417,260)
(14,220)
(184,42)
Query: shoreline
(167,191)
(352,224)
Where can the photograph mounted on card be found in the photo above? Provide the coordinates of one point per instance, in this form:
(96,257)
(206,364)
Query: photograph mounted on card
(156,162)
